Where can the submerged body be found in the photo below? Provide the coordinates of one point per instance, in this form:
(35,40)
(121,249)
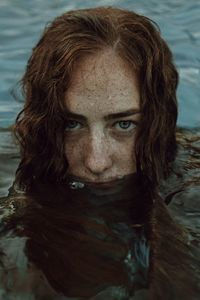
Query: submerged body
(76,241)
(89,246)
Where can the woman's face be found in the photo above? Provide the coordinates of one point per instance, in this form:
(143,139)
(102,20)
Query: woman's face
(99,140)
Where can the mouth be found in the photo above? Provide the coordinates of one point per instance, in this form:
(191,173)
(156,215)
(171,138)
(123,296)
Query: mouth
(100,188)
(100,184)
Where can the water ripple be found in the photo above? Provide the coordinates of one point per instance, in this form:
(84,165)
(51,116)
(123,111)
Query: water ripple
(179,22)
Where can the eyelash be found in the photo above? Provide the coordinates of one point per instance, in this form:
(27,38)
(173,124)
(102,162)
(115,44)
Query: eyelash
(123,130)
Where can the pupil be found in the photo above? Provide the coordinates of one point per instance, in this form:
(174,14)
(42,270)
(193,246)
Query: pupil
(71,124)
(125,124)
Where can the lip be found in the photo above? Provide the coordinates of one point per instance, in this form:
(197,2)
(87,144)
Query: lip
(105,183)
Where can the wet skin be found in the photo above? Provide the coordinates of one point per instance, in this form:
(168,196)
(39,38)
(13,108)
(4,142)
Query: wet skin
(101,148)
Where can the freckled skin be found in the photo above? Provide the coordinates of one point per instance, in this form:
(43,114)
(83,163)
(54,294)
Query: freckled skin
(99,150)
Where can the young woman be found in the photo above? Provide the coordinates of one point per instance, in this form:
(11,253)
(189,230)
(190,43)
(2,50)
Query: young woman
(97,135)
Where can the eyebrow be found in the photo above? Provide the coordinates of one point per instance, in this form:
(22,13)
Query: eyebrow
(113,116)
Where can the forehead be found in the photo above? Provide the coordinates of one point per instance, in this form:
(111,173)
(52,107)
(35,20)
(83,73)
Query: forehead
(102,83)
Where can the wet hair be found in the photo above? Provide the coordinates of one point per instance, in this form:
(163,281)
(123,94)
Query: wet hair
(39,127)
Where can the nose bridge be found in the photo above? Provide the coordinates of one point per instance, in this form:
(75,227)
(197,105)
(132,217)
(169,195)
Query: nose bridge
(98,143)
(97,157)
(97,140)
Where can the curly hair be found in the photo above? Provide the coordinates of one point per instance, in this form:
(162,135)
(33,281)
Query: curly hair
(39,127)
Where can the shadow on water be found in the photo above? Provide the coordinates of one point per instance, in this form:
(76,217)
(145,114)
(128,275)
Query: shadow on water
(61,242)
(84,242)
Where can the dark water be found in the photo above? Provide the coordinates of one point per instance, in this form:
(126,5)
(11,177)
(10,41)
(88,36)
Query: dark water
(90,244)
(37,236)
(78,241)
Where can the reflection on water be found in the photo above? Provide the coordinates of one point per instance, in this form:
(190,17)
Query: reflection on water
(57,242)
(82,242)
(77,241)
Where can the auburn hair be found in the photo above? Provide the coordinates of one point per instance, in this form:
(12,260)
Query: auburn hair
(39,127)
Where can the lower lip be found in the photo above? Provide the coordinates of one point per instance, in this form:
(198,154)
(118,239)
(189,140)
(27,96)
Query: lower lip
(106,184)
(98,184)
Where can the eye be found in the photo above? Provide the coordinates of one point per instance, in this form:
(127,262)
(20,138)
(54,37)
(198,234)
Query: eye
(126,125)
(71,124)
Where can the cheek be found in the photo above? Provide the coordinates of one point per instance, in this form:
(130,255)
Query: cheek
(73,152)
(121,150)
(126,158)
(126,151)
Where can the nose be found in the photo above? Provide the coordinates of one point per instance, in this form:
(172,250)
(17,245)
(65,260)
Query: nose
(98,157)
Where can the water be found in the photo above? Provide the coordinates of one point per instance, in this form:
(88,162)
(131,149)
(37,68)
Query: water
(92,245)
(21,23)
(83,230)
